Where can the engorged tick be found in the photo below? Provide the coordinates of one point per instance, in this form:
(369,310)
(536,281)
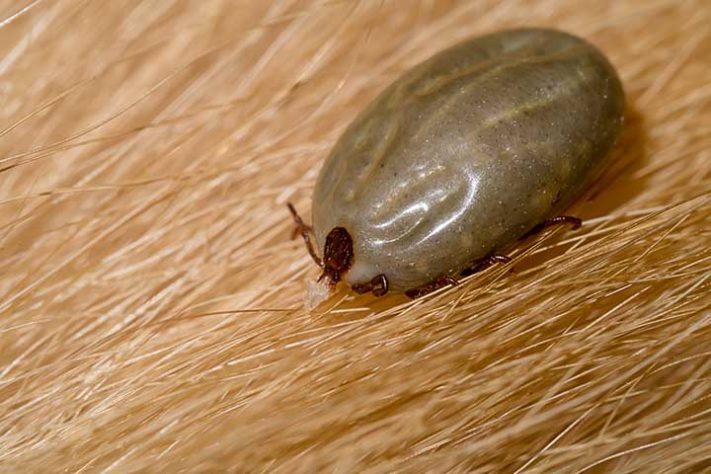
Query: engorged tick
(460,157)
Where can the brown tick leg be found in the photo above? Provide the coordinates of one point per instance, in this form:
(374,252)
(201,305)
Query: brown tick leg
(485,263)
(574,222)
(306,231)
(378,285)
(434,285)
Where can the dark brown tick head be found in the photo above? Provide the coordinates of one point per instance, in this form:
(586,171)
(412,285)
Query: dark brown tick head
(337,255)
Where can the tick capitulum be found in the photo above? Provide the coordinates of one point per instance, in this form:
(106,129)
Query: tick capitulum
(337,252)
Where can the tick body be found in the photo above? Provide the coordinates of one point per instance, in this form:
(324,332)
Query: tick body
(464,154)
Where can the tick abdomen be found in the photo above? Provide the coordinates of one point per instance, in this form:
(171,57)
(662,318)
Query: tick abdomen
(468,151)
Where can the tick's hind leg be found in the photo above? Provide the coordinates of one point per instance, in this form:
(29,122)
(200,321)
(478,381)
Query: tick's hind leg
(378,286)
(575,222)
(485,263)
(306,232)
(434,285)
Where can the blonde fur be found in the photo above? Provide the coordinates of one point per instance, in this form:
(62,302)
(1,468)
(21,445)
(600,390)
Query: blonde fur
(151,314)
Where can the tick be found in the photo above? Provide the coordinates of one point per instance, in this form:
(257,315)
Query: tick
(460,157)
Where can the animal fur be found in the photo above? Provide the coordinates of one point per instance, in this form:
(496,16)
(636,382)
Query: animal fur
(151,315)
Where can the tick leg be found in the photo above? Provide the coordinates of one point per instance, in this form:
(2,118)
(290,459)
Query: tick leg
(306,232)
(574,222)
(485,263)
(434,285)
(378,285)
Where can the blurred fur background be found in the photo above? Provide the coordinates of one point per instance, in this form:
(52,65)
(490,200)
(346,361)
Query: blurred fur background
(151,314)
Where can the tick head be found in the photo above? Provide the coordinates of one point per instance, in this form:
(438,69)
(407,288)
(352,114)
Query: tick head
(337,255)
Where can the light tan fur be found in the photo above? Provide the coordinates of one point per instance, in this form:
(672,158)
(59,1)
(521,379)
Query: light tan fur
(151,314)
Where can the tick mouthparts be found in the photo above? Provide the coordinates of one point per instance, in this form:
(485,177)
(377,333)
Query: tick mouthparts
(331,280)
(337,254)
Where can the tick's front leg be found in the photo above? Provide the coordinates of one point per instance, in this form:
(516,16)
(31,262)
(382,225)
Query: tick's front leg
(306,232)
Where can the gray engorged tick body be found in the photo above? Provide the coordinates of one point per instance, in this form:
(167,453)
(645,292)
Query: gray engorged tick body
(466,153)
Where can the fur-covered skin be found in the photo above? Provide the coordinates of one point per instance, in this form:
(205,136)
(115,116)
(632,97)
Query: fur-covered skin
(151,312)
